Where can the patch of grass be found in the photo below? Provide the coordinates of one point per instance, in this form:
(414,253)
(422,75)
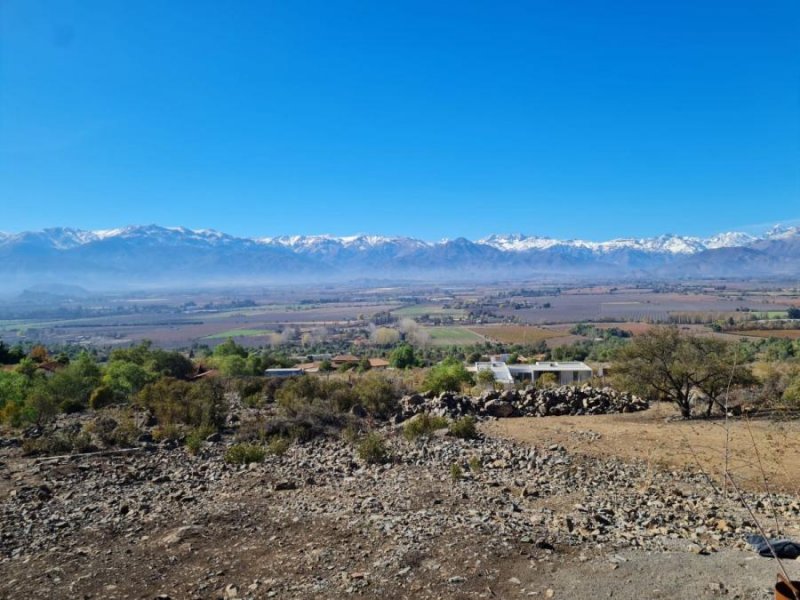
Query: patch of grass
(418,310)
(244,454)
(423,424)
(464,428)
(456,472)
(475,464)
(372,449)
(518,334)
(453,336)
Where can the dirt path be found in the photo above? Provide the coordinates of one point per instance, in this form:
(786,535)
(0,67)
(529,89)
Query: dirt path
(655,437)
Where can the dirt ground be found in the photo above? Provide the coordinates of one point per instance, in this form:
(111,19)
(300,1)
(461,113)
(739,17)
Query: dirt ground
(656,437)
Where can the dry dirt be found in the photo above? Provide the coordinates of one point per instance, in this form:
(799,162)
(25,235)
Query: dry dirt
(657,437)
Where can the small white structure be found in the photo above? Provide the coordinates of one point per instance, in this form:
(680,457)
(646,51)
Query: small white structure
(501,372)
(567,373)
(282,373)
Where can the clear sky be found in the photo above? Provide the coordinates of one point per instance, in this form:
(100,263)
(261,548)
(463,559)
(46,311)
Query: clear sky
(591,119)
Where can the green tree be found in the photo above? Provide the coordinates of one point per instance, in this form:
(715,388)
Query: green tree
(448,376)
(230,348)
(233,365)
(126,378)
(403,357)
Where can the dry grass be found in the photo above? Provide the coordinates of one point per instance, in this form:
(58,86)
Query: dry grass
(649,437)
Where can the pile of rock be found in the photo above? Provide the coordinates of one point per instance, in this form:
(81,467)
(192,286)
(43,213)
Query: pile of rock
(530,402)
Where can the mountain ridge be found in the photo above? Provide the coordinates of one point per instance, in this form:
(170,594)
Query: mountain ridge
(142,255)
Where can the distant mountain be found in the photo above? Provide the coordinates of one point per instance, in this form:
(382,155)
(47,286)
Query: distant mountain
(151,255)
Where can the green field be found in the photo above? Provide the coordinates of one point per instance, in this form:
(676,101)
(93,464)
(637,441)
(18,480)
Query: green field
(233,333)
(418,310)
(770,314)
(453,336)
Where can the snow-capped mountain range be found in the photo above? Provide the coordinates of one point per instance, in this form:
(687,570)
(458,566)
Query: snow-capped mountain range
(141,255)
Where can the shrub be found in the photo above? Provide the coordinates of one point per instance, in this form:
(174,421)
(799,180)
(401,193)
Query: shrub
(351,434)
(244,454)
(279,445)
(377,394)
(372,449)
(54,443)
(456,472)
(194,441)
(423,424)
(475,464)
(173,402)
(448,376)
(167,433)
(101,397)
(464,428)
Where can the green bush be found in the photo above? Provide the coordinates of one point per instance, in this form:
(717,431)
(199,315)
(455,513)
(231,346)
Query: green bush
(423,424)
(176,402)
(475,464)
(373,450)
(448,376)
(456,472)
(464,428)
(244,454)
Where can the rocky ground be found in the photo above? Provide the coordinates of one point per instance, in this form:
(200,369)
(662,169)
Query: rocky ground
(513,520)
(529,402)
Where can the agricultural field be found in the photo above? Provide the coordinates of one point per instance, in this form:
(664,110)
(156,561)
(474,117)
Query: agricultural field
(518,334)
(453,336)
(431,310)
(237,333)
(789,334)
(642,305)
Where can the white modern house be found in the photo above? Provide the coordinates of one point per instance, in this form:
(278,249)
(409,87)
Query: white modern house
(567,372)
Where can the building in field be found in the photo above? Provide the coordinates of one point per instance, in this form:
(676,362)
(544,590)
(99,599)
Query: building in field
(566,373)
(292,372)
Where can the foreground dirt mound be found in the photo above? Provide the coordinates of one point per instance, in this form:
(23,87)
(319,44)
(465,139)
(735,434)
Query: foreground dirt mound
(317,522)
(530,402)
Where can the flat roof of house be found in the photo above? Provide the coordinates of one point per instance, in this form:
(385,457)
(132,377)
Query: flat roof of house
(570,365)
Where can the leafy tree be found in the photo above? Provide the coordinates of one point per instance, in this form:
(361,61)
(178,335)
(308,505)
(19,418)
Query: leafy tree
(233,365)
(230,348)
(126,378)
(72,386)
(793,312)
(326,366)
(664,364)
(403,357)
(170,364)
(448,376)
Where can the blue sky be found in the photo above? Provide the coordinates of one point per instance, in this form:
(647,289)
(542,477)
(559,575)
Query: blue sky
(434,119)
